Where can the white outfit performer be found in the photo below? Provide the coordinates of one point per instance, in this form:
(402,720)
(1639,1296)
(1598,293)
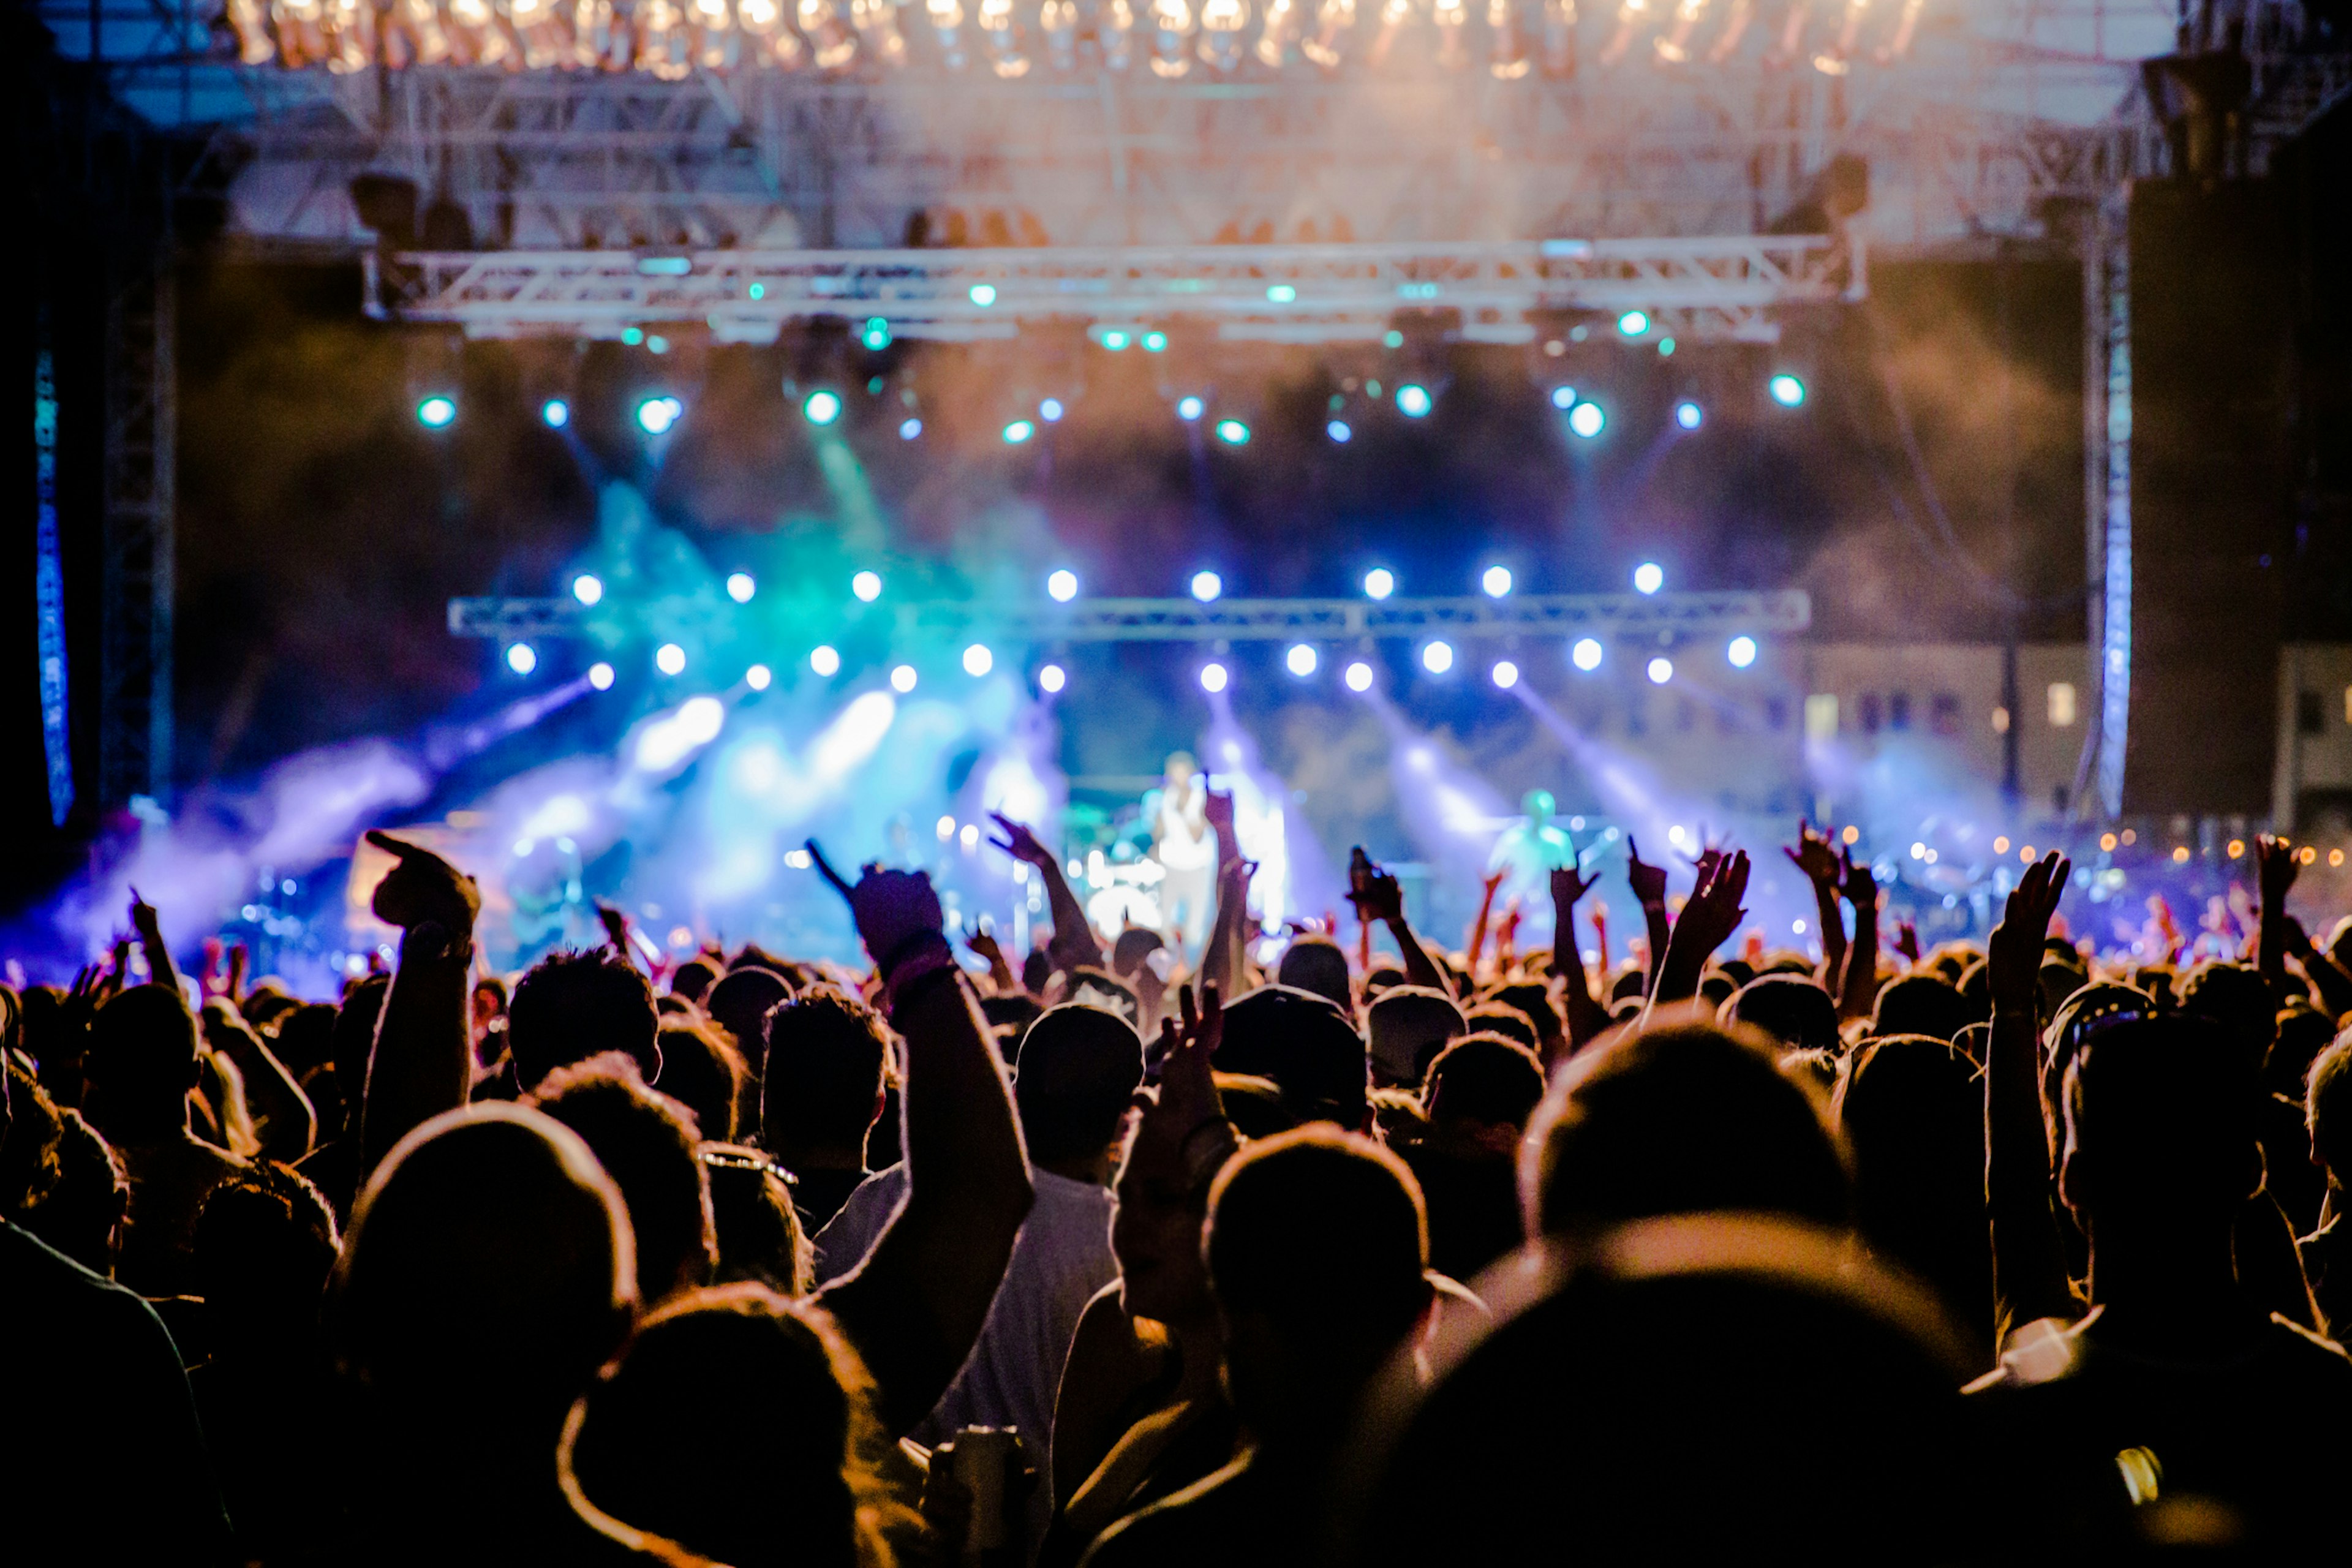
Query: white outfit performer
(1186,848)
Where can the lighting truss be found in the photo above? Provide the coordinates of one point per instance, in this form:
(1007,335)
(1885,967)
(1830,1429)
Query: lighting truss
(1673,615)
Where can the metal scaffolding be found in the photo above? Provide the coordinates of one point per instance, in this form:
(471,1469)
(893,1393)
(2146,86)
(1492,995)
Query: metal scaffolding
(134,736)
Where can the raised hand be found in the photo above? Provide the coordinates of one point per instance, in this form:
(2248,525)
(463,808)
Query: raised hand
(1019,842)
(984,943)
(1812,855)
(1649,882)
(894,911)
(1715,904)
(2013,952)
(617,927)
(1907,941)
(1376,895)
(1856,884)
(1569,884)
(1217,810)
(2275,868)
(1494,883)
(1188,1044)
(420,887)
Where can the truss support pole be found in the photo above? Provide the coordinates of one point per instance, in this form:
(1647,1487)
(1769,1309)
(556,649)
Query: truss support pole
(2107,435)
(135,667)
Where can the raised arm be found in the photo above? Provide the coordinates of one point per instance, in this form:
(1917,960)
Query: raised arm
(1224,959)
(916,1305)
(2029,1262)
(150,927)
(1649,884)
(1812,855)
(1586,1016)
(1000,971)
(283,1117)
(1074,945)
(1707,921)
(1378,896)
(1858,988)
(422,1063)
(1476,946)
(2275,868)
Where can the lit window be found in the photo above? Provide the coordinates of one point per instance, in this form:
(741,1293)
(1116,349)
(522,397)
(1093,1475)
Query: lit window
(2062,703)
(1821,716)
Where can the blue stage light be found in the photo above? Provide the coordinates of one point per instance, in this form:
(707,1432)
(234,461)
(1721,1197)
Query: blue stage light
(656,415)
(436,411)
(1649,577)
(1505,674)
(522,659)
(1020,430)
(1207,585)
(1496,582)
(822,407)
(600,676)
(1586,654)
(1379,583)
(1437,658)
(1189,408)
(1214,677)
(1052,678)
(1233,431)
(556,413)
(1661,670)
(1412,400)
(1587,420)
(1634,324)
(758,676)
(866,585)
(739,587)
(825,661)
(1050,410)
(1690,416)
(1359,675)
(909,428)
(1787,390)
(1741,653)
(1563,398)
(670,658)
(1338,431)
(587,589)
(978,660)
(1301,659)
(1061,585)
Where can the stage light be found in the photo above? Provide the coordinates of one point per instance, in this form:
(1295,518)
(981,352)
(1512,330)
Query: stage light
(1301,659)
(945,829)
(1437,658)
(909,428)
(1020,430)
(1741,653)
(984,294)
(866,585)
(1505,674)
(632,336)
(1233,431)
(902,679)
(1214,676)
(877,335)
(556,413)
(825,661)
(1661,669)
(1587,420)
(1189,408)
(1412,400)
(600,676)
(437,411)
(522,659)
(1052,678)
(1563,397)
(670,658)
(1155,342)
(1649,577)
(1690,416)
(1586,654)
(1496,582)
(1281,293)
(1207,585)
(1787,390)
(1359,675)
(822,407)
(978,660)
(1061,585)
(1393,339)
(656,415)
(739,587)
(1634,324)
(1379,583)
(758,676)
(1338,430)
(1050,410)
(587,589)
(1114,340)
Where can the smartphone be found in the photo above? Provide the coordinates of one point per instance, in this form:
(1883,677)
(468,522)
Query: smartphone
(1360,870)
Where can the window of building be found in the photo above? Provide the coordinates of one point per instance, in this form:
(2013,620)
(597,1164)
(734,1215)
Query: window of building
(1870,712)
(1898,710)
(2062,704)
(1821,716)
(2310,716)
(1944,713)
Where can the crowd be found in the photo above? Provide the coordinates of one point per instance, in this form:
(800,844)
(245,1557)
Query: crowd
(1130,1257)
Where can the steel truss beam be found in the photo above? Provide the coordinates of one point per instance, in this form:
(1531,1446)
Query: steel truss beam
(1651,616)
(135,741)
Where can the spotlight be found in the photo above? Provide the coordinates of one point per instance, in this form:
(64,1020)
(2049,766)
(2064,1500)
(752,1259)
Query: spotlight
(823,660)
(1020,430)
(556,413)
(758,676)
(1233,431)
(1660,671)
(522,659)
(876,334)
(1505,674)
(1338,430)
(1786,390)
(984,294)
(1437,658)
(902,679)
(1189,408)
(909,428)
(600,676)
(1050,410)
(1379,583)
(1741,653)
(1360,677)
(1061,585)
(1207,585)
(1496,582)
(656,415)
(1690,416)
(1052,678)
(670,658)
(822,407)
(1563,397)
(978,660)
(739,587)
(437,411)
(1155,342)
(1301,659)
(1213,677)
(1649,577)
(1586,419)
(1412,400)
(587,589)
(1281,293)
(1586,654)
(1634,324)
(1114,340)
(866,585)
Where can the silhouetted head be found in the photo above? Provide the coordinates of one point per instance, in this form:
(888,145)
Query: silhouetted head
(1912,1110)
(740,1001)
(570,1006)
(2160,1128)
(693,979)
(737,1424)
(1079,1067)
(824,1082)
(760,1236)
(645,1142)
(1494,1018)
(1920,1004)
(141,1064)
(2327,1109)
(264,1243)
(704,1072)
(83,1214)
(1682,1119)
(1486,1083)
(1792,1008)
(1409,1025)
(1539,806)
(1135,944)
(1306,1046)
(1317,964)
(1532,998)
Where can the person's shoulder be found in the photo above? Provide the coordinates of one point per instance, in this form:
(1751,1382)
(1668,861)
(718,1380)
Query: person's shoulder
(1068,1192)
(43,1282)
(1184,1527)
